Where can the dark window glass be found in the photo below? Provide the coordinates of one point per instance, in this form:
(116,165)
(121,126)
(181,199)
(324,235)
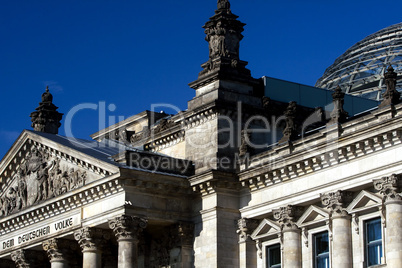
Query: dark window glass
(373,241)
(321,250)
(274,256)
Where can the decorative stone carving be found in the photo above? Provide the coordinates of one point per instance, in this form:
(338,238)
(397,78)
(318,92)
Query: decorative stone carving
(91,239)
(336,201)
(39,177)
(286,216)
(223,34)
(338,114)
(46,118)
(391,96)
(245,148)
(164,124)
(127,227)
(289,133)
(136,137)
(389,187)
(58,250)
(245,228)
(24,258)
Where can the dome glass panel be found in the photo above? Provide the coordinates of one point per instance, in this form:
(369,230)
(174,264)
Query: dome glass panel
(360,70)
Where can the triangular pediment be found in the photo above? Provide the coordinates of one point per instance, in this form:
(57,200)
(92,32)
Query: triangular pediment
(364,200)
(41,166)
(312,215)
(266,228)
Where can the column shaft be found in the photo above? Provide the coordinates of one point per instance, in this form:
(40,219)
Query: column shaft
(341,242)
(248,254)
(91,259)
(291,248)
(393,238)
(128,253)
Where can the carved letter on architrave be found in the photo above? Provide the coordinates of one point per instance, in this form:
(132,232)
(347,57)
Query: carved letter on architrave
(39,177)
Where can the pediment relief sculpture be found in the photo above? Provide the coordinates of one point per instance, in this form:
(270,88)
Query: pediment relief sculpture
(40,176)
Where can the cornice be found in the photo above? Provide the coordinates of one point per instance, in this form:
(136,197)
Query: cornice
(317,153)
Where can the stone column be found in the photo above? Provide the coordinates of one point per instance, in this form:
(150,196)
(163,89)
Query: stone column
(291,237)
(247,248)
(91,241)
(25,258)
(340,222)
(389,187)
(58,251)
(126,229)
(185,233)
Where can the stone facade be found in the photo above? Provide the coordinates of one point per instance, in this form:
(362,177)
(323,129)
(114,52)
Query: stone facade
(236,180)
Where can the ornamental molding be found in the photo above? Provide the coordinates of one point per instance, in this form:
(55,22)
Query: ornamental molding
(288,167)
(266,229)
(166,141)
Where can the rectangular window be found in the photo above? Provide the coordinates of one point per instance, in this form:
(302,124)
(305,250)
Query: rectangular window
(273,256)
(373,241)
(321,250)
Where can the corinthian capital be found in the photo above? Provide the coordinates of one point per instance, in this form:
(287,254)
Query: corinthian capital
(127,227)
(389,187)
(336,202)
(25,258)
(286,216)
(91,239)
(245,228)
(58,249)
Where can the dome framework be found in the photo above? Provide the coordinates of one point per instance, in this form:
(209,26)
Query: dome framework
(360,70)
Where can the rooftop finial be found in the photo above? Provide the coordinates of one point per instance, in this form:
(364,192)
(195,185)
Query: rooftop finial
(46,118)
(223,4)
(391,96)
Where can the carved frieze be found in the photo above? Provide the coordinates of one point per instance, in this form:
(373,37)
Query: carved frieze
(40,176)
(389,187)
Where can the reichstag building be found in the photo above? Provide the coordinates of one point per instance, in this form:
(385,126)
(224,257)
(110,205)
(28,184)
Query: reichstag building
(244,177)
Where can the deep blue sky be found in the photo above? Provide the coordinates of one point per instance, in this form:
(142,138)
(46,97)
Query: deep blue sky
(135,53)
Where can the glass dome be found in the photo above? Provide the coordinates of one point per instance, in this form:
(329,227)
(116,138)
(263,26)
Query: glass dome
(360,70)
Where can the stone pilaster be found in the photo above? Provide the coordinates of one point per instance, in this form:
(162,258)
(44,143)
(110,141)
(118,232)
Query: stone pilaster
(91,241)
(247,248)
(389,187)
(24,258)
(59,251)
(126,229)
(341,227)
(286,217)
